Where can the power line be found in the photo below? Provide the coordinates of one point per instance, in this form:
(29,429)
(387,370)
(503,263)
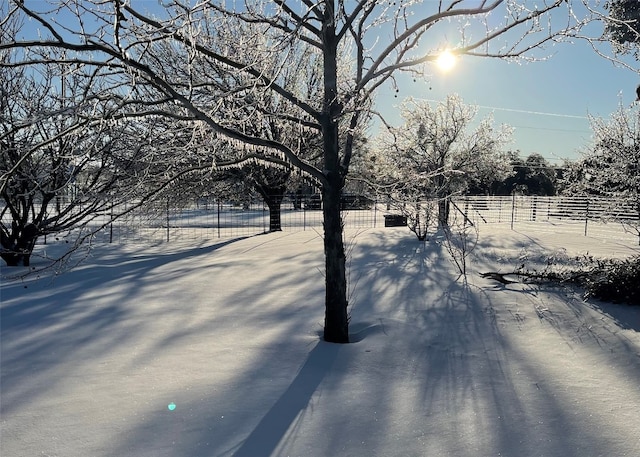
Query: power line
(513,110)
(538,113)
(550,129)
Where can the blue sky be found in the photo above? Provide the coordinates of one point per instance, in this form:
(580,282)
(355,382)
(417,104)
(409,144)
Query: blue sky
(547,102)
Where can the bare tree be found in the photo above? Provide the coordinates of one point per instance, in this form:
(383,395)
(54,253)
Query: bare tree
(54,160)
(378,38)
(611,168)
(435,154)
(623,26)
(616,36)
(73,160)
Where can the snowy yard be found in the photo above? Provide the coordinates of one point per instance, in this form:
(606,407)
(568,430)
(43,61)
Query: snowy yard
(214,350)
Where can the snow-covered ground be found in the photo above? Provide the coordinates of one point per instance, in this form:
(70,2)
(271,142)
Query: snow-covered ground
(215,350)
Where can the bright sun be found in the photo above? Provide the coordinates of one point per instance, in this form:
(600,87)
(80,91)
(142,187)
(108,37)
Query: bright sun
(446,61)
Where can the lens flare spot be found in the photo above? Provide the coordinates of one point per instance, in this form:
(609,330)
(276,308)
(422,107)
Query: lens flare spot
(446,61)
(171,406)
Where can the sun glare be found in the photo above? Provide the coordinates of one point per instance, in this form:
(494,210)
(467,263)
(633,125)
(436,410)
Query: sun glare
(446,61)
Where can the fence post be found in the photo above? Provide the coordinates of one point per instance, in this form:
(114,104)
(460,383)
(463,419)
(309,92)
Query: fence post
(167,219)
(534,208)
(549,208)
(218,223)
(111,225)
(586,218)
(513,208)
(375,211)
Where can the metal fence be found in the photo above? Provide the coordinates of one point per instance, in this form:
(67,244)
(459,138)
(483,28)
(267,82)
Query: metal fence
(604,218)
(211,219)
(206,220)
(515,209)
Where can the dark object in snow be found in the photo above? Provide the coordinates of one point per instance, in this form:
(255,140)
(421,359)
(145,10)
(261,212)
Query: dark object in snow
(638,93)
(16,245)
(500,277)
(395,220)
(609,280)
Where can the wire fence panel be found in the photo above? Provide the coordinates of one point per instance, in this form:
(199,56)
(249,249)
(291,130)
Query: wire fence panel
(534,208)
(599,217)
(207,219)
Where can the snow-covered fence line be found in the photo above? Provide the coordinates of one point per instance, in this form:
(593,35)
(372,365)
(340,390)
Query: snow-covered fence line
(588,216)
(206,219)
(209,219)
(546,209)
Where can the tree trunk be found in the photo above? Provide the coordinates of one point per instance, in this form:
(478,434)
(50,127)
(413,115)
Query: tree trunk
(18,246)
(272,194)
(274,204)
(11,259)
(443,211)
(336,321)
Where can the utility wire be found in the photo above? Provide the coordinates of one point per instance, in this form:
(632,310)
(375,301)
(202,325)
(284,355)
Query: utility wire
(513,110)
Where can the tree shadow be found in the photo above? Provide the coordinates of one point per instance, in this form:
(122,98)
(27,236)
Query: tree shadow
(626,316)
(274,426)
(434,367)
(479,386)
(67,318)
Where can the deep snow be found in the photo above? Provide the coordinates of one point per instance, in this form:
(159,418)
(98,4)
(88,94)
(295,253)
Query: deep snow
(229,333)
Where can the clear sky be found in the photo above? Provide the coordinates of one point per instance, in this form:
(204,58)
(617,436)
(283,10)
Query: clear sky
(547,102)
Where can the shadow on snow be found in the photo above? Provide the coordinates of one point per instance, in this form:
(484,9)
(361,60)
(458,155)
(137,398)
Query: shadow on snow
(432,366)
